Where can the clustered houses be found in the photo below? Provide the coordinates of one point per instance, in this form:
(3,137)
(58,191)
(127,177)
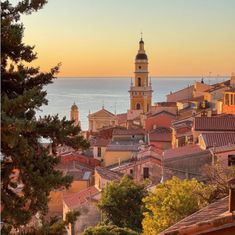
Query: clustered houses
(194,127)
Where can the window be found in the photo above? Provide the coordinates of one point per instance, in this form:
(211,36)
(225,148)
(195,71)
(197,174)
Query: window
(139,81)
(231,160)
(139,67)
(226,99)
(146,172)
(138,106)
(131,171)
(99,152)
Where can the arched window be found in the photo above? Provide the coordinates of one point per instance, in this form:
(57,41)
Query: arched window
(139,81)
(138,106)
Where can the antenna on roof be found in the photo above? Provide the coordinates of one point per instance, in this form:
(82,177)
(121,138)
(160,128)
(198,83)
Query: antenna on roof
(102,104)
(115,111)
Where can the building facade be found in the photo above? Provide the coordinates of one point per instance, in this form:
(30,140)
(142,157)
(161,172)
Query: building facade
(141,90)
(101,119)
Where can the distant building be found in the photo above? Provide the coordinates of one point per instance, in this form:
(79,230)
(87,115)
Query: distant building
(215,93)
(195,90)
(186,162)
(99,148)
(159,119)
(146,165)
(182,132)
(161,138)
(86,202)
(228,106)
(124,146)
(141,91)
(170,107)
(74,115)
(100,119)
(103,176)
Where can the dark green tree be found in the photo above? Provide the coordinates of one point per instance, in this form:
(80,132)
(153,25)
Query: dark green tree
(22,94)
(121,203)
(109,230)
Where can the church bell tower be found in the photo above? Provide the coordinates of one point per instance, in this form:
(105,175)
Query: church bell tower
(141,90)
(74,115)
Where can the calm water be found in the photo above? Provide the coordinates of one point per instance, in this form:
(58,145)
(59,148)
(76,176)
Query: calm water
(92,93)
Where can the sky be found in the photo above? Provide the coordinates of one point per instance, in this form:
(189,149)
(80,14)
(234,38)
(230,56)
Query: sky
(100,37)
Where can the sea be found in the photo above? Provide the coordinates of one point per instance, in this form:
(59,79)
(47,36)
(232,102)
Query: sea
(91,93)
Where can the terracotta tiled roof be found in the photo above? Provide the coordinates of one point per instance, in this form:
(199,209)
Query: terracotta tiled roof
(128,132)
(122,118)
(165,104)
(124,146)
(161,129)
(160,137)
(76,157)
(182,151)
(163,112)
(218,86)
(222,149)
(218,139)
(108,174)
(74,200)
(197,98)
(101,142)
(214,124)
(105,133)
(231,90)
(161,134)
(186,88)
(210,217)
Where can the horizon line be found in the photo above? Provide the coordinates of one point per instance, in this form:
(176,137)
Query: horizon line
(153,76)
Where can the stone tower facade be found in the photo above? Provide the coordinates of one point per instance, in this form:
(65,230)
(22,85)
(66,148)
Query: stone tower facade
(141,90)
(74,115)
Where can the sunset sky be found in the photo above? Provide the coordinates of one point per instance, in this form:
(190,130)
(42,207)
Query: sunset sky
(100,37)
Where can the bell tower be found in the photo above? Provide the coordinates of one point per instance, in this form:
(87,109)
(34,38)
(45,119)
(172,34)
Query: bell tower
(74,115)
(141,90)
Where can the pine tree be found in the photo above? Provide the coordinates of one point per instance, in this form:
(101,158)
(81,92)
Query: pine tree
(22,94)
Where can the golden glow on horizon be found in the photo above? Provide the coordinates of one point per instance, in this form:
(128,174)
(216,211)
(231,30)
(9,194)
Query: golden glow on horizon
(194,40)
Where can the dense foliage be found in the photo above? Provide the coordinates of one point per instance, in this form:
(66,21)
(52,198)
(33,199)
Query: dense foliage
(109,230)
(121,203)
(172,201)
(218,175)
(25,161)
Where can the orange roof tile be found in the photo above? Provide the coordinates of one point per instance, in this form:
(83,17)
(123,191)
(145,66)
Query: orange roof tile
(212,216)
(214,123)
(182,151)
(218,139)
(129,132)
(74,200)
